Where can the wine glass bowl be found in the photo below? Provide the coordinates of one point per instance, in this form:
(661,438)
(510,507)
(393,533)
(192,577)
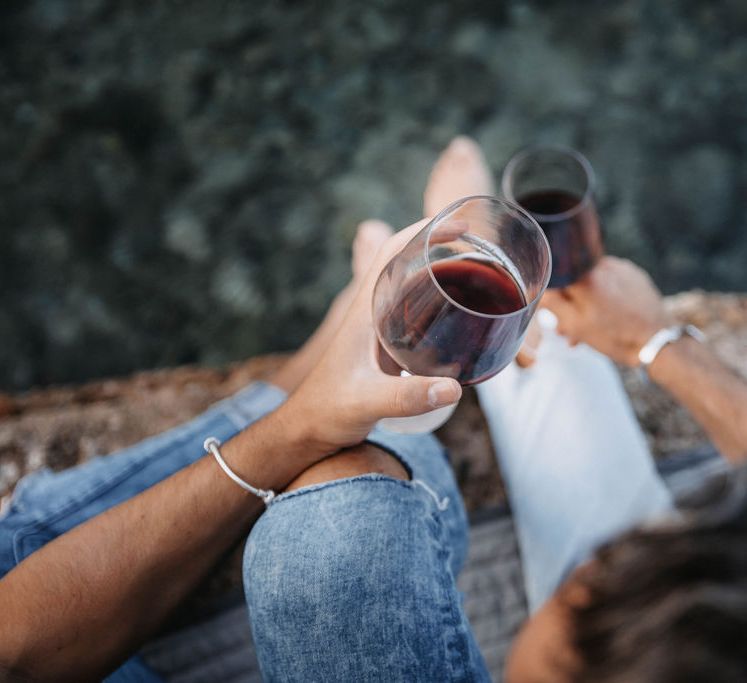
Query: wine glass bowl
(555,184)
(457,299)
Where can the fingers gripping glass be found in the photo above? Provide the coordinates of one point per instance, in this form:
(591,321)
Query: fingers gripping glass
(457,300)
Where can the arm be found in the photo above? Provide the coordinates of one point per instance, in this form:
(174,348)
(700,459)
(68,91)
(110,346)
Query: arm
(714,394)
(616,309)
(79,606)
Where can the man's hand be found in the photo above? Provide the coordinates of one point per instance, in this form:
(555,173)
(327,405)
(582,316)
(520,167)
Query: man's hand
(347,392)
(615,309)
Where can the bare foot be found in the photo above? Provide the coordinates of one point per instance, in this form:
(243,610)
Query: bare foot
(369,238)
(460,171)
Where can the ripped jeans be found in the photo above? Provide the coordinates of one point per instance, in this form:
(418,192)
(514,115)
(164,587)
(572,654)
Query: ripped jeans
(355,579)
(374,558)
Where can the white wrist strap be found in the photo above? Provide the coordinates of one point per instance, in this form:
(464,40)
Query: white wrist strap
(212,446)
(665,336)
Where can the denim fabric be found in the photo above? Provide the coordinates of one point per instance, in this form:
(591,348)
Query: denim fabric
(46,504)
(384,553)
(362,585)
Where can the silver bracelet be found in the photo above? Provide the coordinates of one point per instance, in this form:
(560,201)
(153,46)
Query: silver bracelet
(650,350)
(212,446)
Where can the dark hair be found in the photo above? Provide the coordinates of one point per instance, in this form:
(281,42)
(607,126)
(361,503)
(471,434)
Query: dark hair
(668,603)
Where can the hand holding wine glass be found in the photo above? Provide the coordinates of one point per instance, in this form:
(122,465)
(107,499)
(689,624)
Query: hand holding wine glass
(347,392)
(615,309)
(457,299)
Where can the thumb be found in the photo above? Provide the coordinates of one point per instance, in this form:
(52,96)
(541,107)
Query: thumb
(415,395)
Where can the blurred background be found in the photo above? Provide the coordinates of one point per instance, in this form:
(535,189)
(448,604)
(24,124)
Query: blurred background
(180,181)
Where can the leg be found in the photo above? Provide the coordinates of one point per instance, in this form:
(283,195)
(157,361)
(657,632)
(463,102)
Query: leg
(362,587)
(577,467)
(46,505)
(461,171)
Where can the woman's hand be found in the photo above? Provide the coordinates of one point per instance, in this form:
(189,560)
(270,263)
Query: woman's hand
(615,309)
(344,396)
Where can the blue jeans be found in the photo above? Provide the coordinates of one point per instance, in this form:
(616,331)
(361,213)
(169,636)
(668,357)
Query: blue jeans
(355,579)
(348,580)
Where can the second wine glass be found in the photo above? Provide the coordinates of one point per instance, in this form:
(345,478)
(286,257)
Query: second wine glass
(555,184)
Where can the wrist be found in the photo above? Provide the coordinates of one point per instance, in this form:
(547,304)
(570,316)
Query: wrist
(658,369)
(644,333)
(673,353)
(301,431)
(273,451)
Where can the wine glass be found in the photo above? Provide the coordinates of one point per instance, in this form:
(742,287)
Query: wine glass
(555,185)
(457,299)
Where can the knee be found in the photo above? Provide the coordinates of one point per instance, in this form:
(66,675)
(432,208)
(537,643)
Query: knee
(364,458)
(329,518)
(337,553)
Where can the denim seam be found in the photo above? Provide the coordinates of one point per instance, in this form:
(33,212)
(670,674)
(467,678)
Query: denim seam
(456,637)
(242,406)
(24,533)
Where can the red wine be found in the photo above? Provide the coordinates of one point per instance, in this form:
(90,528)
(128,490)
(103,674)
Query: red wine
(575,240)
(482,286)
(425,333)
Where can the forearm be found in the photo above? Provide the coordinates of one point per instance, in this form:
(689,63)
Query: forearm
(80,605)
(715,395)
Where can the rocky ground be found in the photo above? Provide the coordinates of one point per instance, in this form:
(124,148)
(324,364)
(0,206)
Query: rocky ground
(179,182)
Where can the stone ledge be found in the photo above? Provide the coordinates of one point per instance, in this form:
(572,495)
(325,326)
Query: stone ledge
(59,427)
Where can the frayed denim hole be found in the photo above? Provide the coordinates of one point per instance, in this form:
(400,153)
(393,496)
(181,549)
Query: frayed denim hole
(312,488)
(397,456)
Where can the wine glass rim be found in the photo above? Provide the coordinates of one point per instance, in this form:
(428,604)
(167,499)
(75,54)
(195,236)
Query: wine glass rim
(439,217)
(578,157)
